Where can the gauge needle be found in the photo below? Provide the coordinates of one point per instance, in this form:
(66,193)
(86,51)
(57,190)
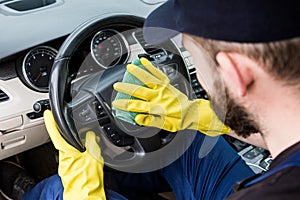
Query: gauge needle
(38,77)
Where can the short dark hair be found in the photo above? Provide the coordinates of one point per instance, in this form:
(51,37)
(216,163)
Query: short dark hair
(280,58)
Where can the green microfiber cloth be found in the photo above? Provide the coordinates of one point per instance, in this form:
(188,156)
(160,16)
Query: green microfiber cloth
(128,78)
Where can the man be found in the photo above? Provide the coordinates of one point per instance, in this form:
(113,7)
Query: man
(255,47)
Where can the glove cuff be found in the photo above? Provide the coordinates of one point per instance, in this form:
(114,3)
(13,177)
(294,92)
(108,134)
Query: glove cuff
(208,123)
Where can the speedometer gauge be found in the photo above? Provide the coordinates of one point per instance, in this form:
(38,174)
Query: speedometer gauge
(109,48)
(37,66)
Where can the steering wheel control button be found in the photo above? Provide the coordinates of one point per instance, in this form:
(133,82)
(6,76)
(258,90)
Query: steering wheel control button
(90,112)
(99,110)
(84,114)
(116,138)
(113,135)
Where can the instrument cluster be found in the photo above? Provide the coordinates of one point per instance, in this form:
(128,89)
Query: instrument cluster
(107,48)
(36,67)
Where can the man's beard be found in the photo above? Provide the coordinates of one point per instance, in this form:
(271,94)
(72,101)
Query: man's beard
(233,115)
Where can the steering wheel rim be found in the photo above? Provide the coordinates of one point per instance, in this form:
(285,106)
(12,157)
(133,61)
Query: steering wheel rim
(60,86)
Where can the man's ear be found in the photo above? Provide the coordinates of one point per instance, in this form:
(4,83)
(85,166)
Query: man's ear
(236,71)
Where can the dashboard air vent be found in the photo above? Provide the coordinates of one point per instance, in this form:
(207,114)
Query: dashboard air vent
(23,5)
(150,49)
(198,89)
(3,96)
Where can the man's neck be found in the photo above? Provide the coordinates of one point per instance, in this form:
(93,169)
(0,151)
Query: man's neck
(282,124)
(285,142)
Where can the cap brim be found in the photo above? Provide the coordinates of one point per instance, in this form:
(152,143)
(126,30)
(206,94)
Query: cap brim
(160,25)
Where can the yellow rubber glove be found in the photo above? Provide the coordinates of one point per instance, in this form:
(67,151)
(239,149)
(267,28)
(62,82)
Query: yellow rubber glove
(81,172)
(163,106)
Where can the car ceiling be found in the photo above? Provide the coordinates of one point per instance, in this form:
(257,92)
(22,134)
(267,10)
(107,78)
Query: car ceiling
(21,30)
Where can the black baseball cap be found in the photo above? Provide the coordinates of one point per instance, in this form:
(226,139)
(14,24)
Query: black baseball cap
(246,21)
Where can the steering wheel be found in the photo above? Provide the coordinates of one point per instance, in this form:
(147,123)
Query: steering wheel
(82,104)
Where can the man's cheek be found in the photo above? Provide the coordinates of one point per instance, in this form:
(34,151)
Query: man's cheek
(201,80)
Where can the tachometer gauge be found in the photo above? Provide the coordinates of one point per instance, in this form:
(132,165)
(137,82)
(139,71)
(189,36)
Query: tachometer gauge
(109,48)
(37,66)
